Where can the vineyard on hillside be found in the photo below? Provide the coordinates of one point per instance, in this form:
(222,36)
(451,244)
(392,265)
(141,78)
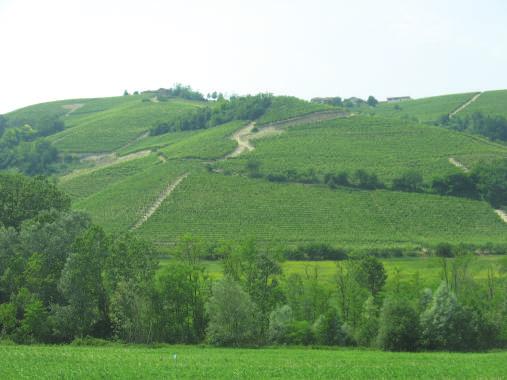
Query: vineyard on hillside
(112,128)
(229,201)
(489,103)
(120,205)
(426,110)
(286,107)
(217,207)
(386,147)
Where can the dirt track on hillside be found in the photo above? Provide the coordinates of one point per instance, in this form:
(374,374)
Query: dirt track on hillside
(158,202)
(465,105)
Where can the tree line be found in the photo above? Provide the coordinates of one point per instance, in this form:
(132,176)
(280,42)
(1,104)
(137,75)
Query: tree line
(488,181)
(248,107)
(63,278)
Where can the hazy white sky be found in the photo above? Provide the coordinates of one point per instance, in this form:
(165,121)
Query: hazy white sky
(55,49)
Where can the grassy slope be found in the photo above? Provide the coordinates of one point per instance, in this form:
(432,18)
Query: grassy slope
(388,147)
(218,207)
(111,126)
(425,109)
(120,362)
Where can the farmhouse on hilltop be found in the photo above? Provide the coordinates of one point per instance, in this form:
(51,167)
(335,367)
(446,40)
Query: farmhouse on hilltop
(398,99)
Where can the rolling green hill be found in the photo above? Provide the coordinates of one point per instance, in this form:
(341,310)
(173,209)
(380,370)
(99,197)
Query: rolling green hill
(164,186)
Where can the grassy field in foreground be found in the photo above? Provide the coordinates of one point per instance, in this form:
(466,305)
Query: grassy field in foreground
(115,362)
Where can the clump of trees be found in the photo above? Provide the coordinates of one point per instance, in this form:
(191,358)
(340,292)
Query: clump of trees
(177,91)
(23,146)
(492,127)
(236,108)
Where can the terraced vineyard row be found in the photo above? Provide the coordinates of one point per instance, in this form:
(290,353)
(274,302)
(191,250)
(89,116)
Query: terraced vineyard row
(386,147)
(120,205)
(110,129)
(218,207)
(86,184)
(206,144)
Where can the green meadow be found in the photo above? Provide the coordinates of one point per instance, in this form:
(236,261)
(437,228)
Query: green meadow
(195,362)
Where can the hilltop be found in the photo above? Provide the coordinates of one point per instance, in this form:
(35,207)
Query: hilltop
(276,169)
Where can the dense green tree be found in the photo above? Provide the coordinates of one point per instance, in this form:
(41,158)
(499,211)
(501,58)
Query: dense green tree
(444,323)
(22,198)
(399,326)
(181,296)
(130,259)
(372,274)
(458,184)
(351,295)
(261,281)
(232,315)
(132,313)
(444,250)
(328,329)
(368,327)
(491,179)
(81,282)
(372,102)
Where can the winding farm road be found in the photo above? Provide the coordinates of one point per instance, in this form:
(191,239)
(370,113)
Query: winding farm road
(244,135)
(242,138)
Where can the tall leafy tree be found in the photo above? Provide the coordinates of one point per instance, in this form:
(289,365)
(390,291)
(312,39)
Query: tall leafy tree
(81,281)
